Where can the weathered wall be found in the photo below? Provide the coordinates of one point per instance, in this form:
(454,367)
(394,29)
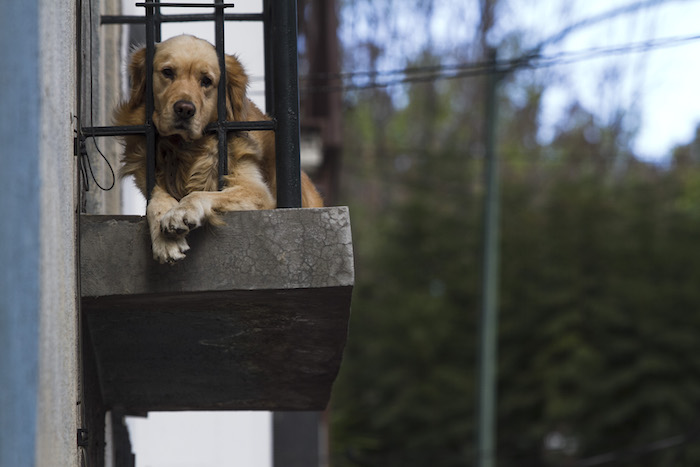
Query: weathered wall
(101,83)
(19,235)
(58,373)
(38,358)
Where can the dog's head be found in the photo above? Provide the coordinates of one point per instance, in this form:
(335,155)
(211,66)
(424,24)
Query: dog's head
(185,86)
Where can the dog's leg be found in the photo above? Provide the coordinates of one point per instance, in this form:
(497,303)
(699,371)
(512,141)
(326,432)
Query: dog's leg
(246,191)
(201,207)
(168,247)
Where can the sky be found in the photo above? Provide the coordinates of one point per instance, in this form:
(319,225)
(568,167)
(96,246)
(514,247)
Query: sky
(202,439)
(655,88)
(658,90)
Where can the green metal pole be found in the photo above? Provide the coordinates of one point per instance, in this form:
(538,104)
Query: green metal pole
(486,407)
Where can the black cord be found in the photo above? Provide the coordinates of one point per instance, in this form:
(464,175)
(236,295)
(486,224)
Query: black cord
(85,164)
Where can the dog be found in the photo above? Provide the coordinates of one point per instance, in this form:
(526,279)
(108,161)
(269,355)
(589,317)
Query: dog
(185,88)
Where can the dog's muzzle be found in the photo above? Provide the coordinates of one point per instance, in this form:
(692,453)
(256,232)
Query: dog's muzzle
(184,110)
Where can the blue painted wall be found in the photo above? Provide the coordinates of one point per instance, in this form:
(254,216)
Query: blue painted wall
(20,96)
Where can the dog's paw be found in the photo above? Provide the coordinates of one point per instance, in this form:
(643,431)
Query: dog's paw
(169,250)
(181,219)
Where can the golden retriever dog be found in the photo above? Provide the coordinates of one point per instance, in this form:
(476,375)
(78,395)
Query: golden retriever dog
(185,87)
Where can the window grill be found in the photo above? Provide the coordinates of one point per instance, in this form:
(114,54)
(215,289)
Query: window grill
(295,290)
(279,18)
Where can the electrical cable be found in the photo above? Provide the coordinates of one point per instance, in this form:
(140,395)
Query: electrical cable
(85,164)
(468,70)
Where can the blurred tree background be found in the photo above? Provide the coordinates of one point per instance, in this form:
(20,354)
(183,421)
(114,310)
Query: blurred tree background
(599,339)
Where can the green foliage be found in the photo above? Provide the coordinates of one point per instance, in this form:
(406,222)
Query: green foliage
(599,293)
(410,368)
(599,297)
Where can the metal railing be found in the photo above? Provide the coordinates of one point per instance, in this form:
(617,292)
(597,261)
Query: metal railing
(279,18)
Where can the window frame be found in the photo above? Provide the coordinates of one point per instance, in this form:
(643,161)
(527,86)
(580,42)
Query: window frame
(279,18)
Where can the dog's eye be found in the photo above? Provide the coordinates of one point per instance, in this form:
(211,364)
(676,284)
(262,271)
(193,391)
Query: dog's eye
(168,73)
(206,82)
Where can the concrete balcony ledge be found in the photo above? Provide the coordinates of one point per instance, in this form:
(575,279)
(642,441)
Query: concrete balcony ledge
(255,318)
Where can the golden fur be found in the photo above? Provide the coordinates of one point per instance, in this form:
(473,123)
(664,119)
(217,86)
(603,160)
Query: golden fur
(185,82)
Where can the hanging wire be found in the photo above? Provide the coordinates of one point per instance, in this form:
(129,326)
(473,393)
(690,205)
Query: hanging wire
(86,166)
(84,160)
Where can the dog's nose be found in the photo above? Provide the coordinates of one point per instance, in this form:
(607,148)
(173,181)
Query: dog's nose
(184,109)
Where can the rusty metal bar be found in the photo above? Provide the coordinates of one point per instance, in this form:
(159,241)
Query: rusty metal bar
(150,127)
(218,4)
(221,97)
(286,88)
(183,18)
(98,131)
(269,65)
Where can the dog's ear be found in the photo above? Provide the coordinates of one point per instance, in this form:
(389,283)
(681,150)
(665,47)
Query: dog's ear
(236,85)
(137,75)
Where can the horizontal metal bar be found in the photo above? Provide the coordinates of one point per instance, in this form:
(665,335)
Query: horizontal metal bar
(132,19)
(122,19)
(186,5)
(243,126)
(99,131)
(91,131)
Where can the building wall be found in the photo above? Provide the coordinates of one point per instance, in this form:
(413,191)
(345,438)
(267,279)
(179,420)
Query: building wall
(19,234)
(58,319)
(101,49)
(38,286)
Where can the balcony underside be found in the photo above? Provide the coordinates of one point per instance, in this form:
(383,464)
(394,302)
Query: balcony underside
(255,318)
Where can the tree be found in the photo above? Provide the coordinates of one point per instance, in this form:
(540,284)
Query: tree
(600,267)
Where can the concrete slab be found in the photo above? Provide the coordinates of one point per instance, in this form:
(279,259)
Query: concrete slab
(255,318)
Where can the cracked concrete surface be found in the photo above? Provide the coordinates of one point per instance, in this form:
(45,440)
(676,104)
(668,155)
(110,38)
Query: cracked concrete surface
(255,318)
(277,249)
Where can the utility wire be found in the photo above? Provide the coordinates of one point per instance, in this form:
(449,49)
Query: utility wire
(467,70)
(590,21)
(476,69)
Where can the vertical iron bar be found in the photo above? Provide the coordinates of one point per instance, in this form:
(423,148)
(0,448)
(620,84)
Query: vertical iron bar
(150,129)
(269,65)
(158,22)
(486,406)
(221,99)
(286,89)
(79,64)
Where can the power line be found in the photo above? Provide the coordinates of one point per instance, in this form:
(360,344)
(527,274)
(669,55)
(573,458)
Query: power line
(469,70)
(590,21)
(605,16)
(564,58)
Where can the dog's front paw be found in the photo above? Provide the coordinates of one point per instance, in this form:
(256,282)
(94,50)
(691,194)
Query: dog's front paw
(169,250)
(181,219)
